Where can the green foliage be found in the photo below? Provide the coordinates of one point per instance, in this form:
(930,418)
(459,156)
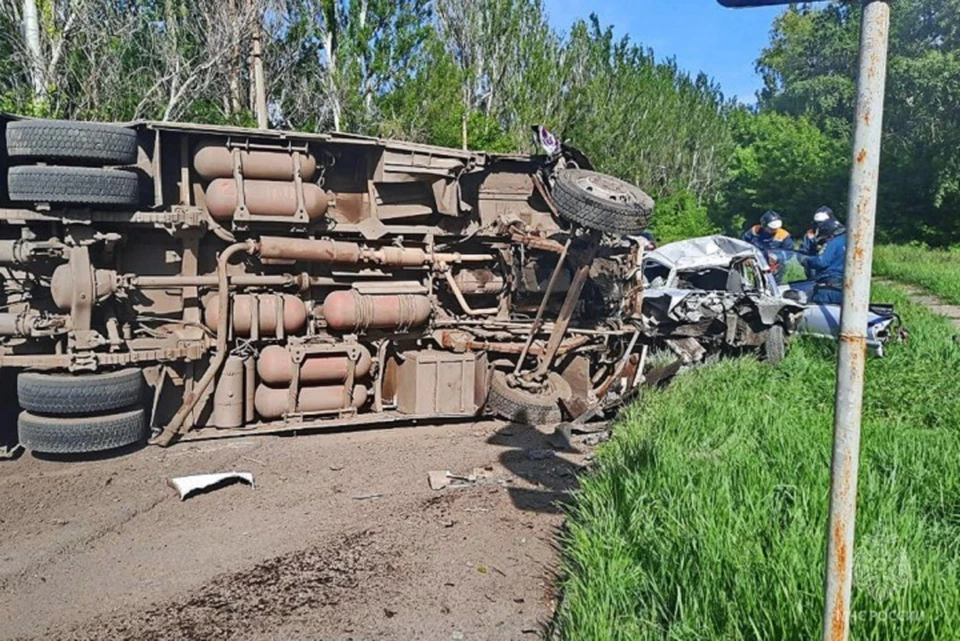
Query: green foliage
(783,163)
(936,270)
(679,216)
(705,516)
(809,70)
(644,121)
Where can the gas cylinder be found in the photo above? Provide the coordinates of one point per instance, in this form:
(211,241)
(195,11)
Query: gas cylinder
(211,160)
(269,306)
(275,366)
(264,198)
(271,402)
(349,311)
(228,395)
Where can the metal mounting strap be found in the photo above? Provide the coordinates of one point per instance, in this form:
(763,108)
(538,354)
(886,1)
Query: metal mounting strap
(241,212)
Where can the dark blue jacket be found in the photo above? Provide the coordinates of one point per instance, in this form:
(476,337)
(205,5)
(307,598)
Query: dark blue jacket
(827,267)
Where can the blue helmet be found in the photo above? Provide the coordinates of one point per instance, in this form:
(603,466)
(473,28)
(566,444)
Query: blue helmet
(771,220)
(829,228)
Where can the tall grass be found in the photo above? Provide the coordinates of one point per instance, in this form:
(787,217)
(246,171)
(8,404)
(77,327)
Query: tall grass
(937,270)
(705,516)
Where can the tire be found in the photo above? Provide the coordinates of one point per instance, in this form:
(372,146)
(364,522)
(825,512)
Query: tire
(85,142)
(81,435)
(522,406)
(71,394)
(602,203)
(775,347)
(77,185)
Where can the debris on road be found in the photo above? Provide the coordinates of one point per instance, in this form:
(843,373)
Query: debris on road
(440,479)
(189,485)
(367,497)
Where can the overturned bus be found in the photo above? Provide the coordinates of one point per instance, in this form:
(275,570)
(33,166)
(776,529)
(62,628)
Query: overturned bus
(174,281)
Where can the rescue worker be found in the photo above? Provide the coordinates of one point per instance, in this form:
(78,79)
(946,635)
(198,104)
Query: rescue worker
(811,245)
(827,267)
(773,240)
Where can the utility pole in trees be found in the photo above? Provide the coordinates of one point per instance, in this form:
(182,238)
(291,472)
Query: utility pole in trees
(256,68)
(851,364)
(259,82)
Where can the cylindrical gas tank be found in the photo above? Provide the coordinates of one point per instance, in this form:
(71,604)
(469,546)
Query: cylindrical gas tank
(269,308)
(349,311)
(228,395)
(212,160)
(271,402)
(275,366)
(264,198)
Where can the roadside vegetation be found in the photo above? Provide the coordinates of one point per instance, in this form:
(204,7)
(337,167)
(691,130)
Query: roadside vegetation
(936,270)
(705,516)
(438,71)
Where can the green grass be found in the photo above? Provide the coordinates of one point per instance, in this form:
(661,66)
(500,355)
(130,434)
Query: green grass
(936,270)
(705,516)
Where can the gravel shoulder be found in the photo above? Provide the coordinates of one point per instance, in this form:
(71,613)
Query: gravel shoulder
(342,538)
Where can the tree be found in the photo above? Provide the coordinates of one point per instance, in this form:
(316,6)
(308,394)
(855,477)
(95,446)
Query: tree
(809,70)
(332,60)
(786,164)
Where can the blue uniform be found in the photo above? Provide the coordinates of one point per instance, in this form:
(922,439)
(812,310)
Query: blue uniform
(778,242)
(827,269)
(810,246)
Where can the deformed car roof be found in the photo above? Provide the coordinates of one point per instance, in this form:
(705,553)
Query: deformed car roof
(707,251)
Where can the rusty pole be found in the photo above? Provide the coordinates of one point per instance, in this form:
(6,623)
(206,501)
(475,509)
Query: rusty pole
(861,221)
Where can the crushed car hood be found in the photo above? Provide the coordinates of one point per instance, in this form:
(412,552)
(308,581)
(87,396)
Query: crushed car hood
(708,251)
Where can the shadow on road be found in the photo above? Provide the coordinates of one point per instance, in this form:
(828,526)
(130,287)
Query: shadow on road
(531,459)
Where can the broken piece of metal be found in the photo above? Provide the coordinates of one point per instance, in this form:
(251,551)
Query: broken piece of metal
(190,485)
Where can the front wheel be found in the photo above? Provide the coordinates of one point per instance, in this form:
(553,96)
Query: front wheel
(601,202)
(775,347)
(525,406)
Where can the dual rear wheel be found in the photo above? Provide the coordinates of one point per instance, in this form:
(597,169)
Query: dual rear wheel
(86,154)
(81,414)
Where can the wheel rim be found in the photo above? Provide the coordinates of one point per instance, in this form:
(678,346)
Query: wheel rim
(606,187)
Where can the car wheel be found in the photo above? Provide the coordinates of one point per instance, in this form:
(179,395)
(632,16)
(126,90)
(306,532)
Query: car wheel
(81,434)
(601,202)
(524,406)
(74,185)
(85,142)
(775,346)
(69,394)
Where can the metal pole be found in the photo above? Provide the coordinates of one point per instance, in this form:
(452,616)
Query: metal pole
(861,221)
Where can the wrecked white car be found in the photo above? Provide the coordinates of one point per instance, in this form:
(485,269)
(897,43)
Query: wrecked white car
(823,321)
(715,295)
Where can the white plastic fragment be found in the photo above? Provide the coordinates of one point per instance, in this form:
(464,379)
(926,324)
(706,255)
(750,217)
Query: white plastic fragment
(188,485)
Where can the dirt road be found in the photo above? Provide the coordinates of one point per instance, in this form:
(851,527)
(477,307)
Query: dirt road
(341,539)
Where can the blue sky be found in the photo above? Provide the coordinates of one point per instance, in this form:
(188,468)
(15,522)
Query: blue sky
(702,35)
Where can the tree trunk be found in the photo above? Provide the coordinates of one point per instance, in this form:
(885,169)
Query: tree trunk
(31,32)
(463,118)
(236,63)
(258,81)
(328,47)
